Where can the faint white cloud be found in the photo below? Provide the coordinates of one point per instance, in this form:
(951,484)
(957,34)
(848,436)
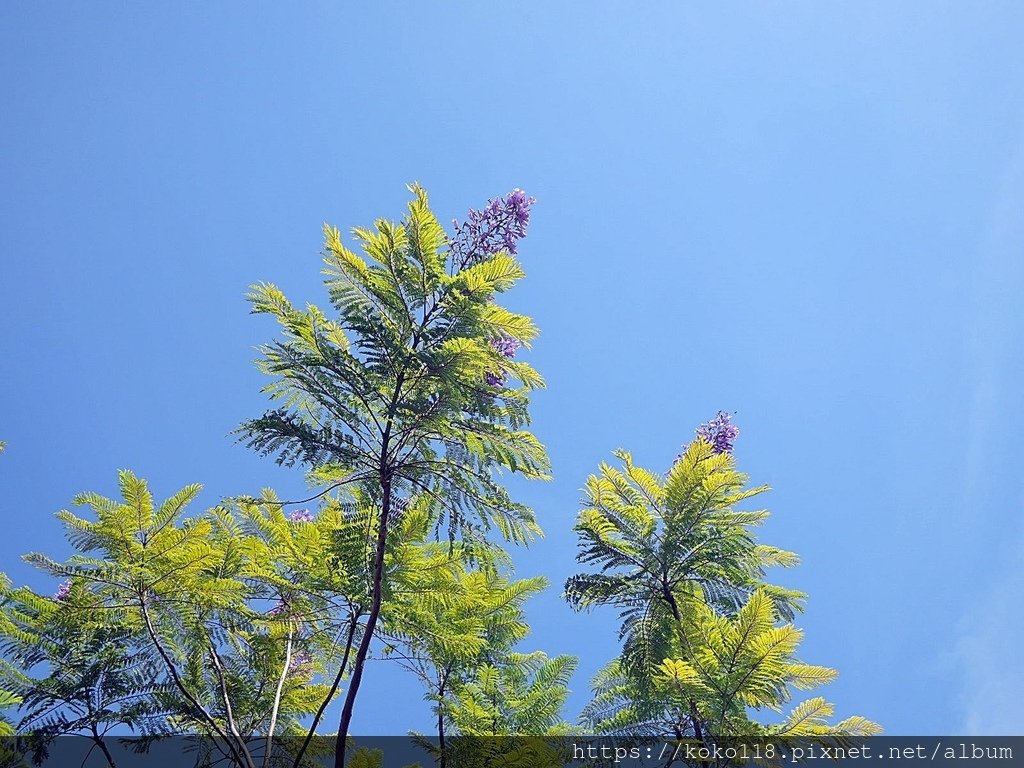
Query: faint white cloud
(989,652)
(998,298)
(990,635)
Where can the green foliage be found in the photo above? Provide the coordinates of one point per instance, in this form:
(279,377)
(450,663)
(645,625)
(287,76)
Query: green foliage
(505,709)
(663,545)
(453,618)
(705,639)
(394,386)
(457,630)
(522,695)
(217,625)
(739,661)
(66,662)
(8,699)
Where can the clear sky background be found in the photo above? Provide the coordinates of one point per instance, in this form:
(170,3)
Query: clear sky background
(807,213)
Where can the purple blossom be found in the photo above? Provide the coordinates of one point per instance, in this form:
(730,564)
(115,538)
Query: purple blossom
(498,227)
(301,516)
(720,432)
(62,591)
(300,663)
(505,345)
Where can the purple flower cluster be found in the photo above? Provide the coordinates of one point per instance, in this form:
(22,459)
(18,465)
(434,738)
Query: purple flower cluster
(301,516)
(505,345)
(720,432)
(498,227)
(62,591)
(300,663)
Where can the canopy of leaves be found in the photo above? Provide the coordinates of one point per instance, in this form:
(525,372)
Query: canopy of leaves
(660,546)
(218,624)
(705,638)
(405,383)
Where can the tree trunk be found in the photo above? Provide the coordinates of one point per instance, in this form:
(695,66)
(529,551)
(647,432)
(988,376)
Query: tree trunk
(371,625)
(440,724)
(99,741)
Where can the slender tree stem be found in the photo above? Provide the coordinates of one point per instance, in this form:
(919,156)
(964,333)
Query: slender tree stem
(226,697)
(440,722)
(102,744)
(371,625)
(330,694)
(277,698)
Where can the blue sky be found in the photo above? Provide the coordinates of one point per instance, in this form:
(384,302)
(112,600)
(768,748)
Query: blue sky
(806,213)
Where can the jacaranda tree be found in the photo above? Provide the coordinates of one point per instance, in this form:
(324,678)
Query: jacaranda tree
(705,638)
(410,386)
